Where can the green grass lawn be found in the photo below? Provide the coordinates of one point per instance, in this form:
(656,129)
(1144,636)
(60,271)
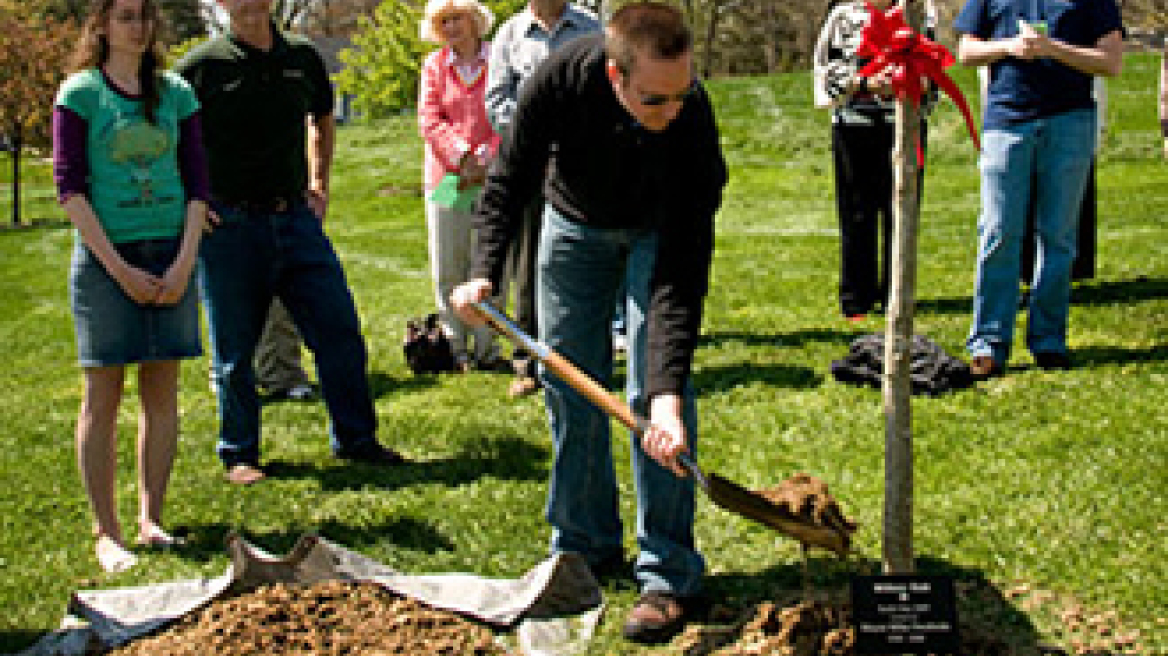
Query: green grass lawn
(1042,492)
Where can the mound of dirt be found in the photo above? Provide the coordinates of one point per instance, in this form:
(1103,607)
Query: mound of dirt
(805,628)
(333,617)
(363,619)
(808,628)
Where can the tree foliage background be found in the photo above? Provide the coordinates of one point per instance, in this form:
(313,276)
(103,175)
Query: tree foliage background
(733,37)
(182,19)
(383,65)
(33,53)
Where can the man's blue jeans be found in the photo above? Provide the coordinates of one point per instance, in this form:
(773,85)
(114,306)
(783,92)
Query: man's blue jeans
(579,273)
(243,263)
(1055,153)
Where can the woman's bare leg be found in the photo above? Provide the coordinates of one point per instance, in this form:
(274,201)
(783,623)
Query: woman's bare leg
(157,445)
(97,459)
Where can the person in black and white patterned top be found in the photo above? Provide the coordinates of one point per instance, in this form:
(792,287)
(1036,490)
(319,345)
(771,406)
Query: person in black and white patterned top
(863,129)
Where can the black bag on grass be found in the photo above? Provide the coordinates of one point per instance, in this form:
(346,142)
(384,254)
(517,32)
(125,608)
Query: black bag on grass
(426,347)
(932,371)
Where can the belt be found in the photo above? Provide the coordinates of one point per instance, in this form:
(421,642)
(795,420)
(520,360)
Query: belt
(272,205)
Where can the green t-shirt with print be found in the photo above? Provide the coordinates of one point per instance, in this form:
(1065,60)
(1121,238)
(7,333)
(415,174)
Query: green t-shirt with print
(135,186)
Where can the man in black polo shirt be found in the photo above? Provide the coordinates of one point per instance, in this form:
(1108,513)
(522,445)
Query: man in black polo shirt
(622,140)
(259,89)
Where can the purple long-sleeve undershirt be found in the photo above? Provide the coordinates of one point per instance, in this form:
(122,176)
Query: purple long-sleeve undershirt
(71,159)
(192,158)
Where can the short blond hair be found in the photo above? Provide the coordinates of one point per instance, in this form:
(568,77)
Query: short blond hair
(436,9)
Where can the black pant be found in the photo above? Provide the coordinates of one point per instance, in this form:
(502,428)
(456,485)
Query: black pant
(521,266)
(863,193)
(1083,266)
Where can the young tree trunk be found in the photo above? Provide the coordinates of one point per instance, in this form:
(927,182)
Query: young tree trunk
(16,147)
(711,32)
(897,391)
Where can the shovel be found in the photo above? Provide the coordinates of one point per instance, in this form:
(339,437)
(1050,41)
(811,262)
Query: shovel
(725,493)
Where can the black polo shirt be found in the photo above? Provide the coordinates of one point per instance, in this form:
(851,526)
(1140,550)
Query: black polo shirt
(598,167)
(254,105)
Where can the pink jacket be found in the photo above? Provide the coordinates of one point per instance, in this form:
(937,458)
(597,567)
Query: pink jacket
(451,115)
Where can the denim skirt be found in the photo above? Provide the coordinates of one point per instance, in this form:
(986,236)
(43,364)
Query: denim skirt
(111,328)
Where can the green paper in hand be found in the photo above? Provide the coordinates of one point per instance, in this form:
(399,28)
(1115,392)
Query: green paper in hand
(447,191)
(447,194)
(1038,26)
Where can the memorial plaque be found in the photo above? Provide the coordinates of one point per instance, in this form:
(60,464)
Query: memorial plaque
(904,614)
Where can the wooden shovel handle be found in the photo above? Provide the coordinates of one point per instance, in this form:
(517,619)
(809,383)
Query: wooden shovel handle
(600,396)
(579,381)
(564,369)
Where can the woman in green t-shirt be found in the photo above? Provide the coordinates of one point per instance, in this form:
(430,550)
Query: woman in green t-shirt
(131,176)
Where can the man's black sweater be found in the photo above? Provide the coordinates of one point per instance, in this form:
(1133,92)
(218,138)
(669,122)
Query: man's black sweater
(598,167)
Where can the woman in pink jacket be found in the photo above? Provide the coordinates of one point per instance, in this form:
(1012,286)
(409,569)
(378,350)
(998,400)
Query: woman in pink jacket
(459,142)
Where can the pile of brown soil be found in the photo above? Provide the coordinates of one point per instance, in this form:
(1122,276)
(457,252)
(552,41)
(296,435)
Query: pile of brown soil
(819,627)
(334,617)
(807,628)
(363,619)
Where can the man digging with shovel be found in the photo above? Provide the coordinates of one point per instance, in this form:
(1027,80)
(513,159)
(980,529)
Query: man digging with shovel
(620,136)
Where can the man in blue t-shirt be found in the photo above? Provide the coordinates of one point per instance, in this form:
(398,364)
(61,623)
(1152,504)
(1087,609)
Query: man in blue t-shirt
(1038,138)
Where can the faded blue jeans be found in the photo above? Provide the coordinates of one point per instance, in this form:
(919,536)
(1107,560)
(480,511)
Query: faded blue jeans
(1055,152)
(243,263)
(580,270)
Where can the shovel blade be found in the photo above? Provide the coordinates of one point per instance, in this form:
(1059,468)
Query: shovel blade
(731,496)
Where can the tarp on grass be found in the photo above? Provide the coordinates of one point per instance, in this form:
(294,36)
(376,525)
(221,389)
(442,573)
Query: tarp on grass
(553,609)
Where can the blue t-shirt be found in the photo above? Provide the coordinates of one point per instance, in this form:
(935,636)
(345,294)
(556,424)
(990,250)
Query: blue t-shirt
(1025,90)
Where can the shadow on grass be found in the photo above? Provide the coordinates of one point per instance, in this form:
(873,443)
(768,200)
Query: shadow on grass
(952,305)
(34,224)
(1088,357)
(1093,355)
(382,384)
(780,340)
(1107,292)
(14,640)
(204,542)
(509,458)
(1099,292)
(721,378)
(990,624)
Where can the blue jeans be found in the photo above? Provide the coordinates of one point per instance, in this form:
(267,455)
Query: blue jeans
(579,273)
(249,259)
(1050,158)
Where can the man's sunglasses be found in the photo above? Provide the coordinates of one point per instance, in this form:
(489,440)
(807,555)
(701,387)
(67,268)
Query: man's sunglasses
(658,99)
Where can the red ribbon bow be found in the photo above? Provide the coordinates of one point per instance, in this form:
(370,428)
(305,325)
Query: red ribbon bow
(892,44)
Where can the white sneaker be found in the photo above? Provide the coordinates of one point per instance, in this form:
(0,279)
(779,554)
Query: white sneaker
(620,343)
(301,392)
